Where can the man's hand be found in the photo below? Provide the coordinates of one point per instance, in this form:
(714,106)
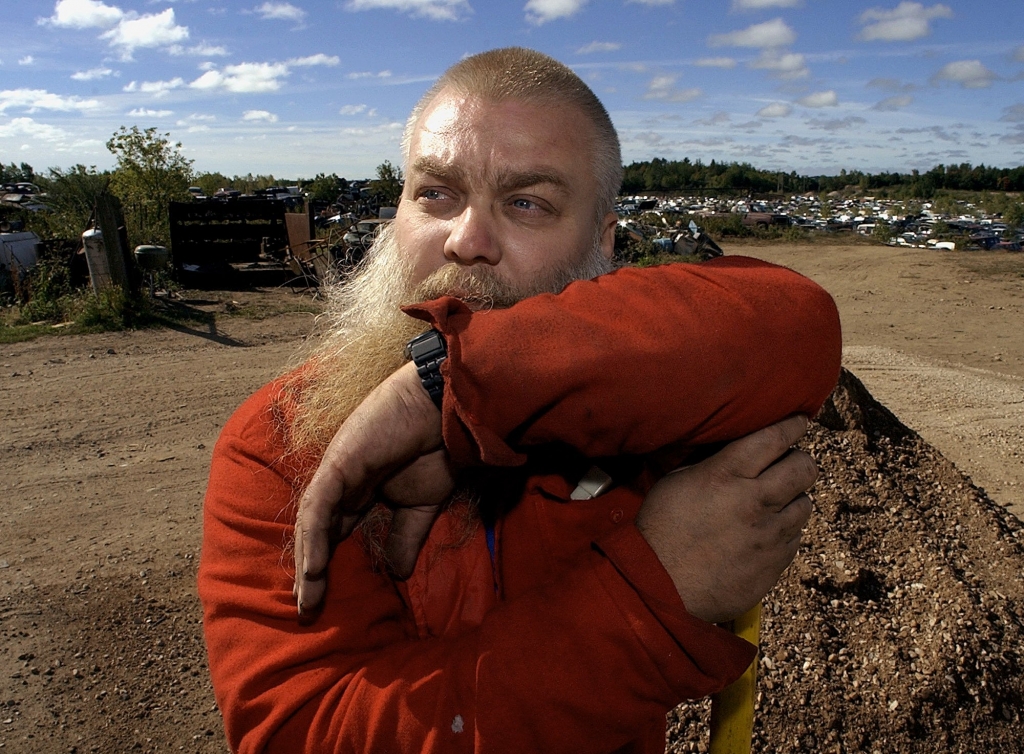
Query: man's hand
(726,528)
(390,444)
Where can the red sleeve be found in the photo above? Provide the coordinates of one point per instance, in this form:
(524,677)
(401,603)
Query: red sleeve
(635,360)
(585,662)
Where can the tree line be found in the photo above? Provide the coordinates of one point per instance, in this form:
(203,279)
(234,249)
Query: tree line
(740,177)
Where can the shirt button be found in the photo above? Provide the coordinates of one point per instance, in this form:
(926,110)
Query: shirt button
(616,516)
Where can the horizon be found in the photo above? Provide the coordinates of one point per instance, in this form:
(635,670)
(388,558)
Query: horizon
(306,87)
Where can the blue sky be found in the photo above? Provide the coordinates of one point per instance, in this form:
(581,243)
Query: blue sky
(305,86)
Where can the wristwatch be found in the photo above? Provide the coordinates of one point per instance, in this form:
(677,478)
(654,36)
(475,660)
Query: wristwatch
(428,351)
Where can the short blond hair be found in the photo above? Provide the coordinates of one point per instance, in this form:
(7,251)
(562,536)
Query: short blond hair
(522,75)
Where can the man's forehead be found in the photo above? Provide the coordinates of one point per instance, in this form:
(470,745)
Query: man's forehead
(449,112)
(506,138)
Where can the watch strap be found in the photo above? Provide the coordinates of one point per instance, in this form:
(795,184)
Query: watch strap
(428,351)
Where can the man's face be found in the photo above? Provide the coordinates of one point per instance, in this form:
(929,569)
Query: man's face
(507,189)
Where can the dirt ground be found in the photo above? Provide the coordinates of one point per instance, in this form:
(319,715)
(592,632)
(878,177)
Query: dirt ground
(899,627)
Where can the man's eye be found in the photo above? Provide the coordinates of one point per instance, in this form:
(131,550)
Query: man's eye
(432,194)
(525,204)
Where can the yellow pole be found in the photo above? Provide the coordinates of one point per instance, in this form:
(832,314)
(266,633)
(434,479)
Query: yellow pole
(732,708)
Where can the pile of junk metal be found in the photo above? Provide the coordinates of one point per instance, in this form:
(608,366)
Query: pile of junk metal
(654,232)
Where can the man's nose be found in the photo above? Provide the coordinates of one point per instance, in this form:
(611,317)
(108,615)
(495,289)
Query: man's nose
(472,239)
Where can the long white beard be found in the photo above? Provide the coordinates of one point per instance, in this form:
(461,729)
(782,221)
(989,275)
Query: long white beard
(365,331)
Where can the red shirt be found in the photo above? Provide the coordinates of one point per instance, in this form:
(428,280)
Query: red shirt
(573,638)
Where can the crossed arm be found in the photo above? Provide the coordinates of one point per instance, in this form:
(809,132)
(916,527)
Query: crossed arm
(755,355)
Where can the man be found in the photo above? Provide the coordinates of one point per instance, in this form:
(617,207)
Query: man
(492,602)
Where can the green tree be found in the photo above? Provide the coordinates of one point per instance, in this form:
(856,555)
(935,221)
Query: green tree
(211,182)
(72,194)
(325,188)
(151,172)
(387,188)
(882,231)
(15,174)
(1014,219)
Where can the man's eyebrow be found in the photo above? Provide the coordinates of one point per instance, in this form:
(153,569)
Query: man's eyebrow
(504,179)
(509,180)
(437,168)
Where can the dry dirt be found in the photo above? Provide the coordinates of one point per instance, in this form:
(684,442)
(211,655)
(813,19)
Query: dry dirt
(899,628)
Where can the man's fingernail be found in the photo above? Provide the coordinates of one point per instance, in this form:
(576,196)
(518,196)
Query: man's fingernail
(305,567)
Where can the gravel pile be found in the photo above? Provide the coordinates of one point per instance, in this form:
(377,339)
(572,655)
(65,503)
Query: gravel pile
(900,626)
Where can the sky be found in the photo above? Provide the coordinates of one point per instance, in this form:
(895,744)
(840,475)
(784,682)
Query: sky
(300,87)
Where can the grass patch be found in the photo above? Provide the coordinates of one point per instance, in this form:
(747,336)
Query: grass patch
(74,313)
(81,312)
(21,333)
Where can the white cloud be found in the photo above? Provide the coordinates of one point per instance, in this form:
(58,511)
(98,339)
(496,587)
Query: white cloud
(717,62)
(40,99)
(27,60)
(663,88)
(820,99)
(156,88)
(438,10)
(775,110)
(280,12)
(789,65)
(318,59)
(356,75)
(259,115)
(764,4)
(201,50)
(904,23)
(891,104)
(352,110)
(598,47)
(774,33)
(141,112)
(244,78)
(541,11)
(255,77)
(153,30)
(28,128)
(970,74)
(92,74)
(84,14)
(195,118)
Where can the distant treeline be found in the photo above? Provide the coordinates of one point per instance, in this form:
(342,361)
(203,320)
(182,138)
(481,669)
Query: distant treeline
(670,175)
(734,177)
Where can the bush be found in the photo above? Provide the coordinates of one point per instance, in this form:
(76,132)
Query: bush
(47,294)
(113,309)
(629,250)
(882,232)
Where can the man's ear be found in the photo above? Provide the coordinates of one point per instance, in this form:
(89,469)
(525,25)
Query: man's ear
(608,223)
